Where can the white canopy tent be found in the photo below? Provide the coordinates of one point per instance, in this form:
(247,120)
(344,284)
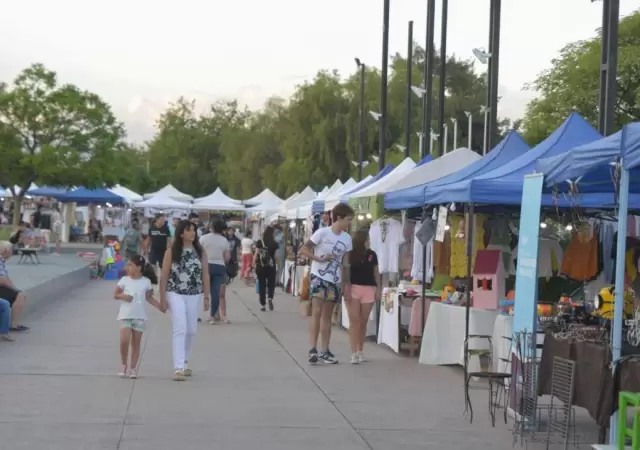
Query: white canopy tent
(16,188)
(306,196)
(383,183)
(162,202)
(217,201)
(266,197)
(171,192)
(306,209)
(127,194)
(434,170)
(333,199)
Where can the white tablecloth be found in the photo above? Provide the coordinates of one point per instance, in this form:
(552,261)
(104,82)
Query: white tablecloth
(501,346)
(389,332)
(371,324)
(299,276)
(443,337)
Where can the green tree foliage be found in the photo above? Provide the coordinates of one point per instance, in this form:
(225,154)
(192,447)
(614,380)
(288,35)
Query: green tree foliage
(572,83)
(56,134)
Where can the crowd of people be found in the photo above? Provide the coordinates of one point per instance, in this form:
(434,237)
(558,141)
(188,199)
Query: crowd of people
(192,265)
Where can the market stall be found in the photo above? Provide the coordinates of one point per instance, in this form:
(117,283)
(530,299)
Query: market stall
(170,192)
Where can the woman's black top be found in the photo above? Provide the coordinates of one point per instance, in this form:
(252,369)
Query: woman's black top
(362,268)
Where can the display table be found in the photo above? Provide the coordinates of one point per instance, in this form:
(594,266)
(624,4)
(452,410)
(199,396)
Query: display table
(371,324)
(443,337)
(501,341)
(403,312)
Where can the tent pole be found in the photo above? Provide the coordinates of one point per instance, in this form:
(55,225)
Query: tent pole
(471,219)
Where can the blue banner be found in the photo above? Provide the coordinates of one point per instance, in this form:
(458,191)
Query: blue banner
(525,311)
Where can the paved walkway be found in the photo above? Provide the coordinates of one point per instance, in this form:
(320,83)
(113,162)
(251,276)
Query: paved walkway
(252,388)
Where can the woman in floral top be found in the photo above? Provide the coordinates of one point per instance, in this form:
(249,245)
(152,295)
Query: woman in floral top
(183,285)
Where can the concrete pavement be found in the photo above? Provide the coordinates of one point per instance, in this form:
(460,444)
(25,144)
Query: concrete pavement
(252,387)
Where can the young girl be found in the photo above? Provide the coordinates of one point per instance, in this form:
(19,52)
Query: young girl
(133,290)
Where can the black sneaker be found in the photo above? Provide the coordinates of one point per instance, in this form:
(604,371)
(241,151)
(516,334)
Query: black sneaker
(262,308)
(313,356)
(270,304)
(328,357)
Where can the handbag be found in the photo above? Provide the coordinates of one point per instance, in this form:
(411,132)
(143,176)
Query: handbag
(305,289)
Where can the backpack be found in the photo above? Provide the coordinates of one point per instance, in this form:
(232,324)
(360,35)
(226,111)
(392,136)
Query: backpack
(263,259)
(130,240)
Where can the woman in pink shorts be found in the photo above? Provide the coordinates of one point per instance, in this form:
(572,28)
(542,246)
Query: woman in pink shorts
(365,289)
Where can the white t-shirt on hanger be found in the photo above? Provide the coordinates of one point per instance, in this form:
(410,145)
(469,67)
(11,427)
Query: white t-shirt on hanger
(416,265)
(386,237)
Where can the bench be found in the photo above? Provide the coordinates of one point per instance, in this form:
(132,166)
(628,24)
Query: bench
(30,254)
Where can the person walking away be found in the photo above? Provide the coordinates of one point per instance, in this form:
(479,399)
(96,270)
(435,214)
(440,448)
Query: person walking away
(160,238)
(217,248)
(8,291)
(195,218)
(246,245)
(132,241)
(5,321)
(134,290)
(56,228)
(231,271)
(265,262)
(366,288)
(184,285)
(328,249)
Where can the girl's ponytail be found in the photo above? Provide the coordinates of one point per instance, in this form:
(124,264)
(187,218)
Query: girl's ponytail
(148,272)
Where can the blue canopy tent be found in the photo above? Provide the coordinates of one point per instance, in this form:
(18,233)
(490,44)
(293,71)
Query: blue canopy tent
(99,196)
(425,160)
(503,185)
(48,191)
(383,173)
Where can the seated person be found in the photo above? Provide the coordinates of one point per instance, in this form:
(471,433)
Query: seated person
(8,291)
(5,320)
(20,237)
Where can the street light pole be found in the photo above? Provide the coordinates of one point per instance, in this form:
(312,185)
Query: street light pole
(407,124)
(608,66)
(470,129)
(362,68)
(494,64)
(383,85)
(420,145)
(428,71)
(442,145)
(455,133)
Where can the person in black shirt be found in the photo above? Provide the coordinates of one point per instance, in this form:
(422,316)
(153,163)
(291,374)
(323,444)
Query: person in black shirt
(264,261)
(365,289)
(160,237)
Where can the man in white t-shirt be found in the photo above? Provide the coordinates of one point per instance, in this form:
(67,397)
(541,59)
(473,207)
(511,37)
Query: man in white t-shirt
(328,249)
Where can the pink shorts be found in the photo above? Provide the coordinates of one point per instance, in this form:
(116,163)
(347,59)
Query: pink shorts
(363,294)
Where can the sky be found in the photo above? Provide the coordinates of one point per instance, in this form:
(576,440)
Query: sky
(139,55)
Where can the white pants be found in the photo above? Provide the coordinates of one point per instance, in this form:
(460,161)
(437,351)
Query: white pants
(184,311)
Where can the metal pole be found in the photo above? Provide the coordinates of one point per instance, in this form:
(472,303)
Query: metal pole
(470,131)
(612,66)
(445,130)
(361,131)
(433,138)
(486,128)
(383,85)
(455,133)
(602,101)
(407,124)
(494,62)
(420,140)
(442,145)
(485,144)
(428,71)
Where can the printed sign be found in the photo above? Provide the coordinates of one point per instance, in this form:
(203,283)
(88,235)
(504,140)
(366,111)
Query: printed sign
(442,223)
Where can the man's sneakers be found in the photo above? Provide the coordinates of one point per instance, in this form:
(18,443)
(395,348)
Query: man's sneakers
(326,357)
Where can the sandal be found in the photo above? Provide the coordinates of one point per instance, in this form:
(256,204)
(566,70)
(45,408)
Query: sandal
(19,328)
(178,375)
(6,338)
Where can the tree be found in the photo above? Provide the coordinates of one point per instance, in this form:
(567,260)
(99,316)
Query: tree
(572,83)
(55,134)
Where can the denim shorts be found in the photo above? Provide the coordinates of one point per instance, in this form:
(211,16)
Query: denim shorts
(324,290)
(134,324)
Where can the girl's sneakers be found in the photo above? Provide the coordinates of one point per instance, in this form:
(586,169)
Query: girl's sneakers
(123,371)
(355,358)
(133,374)
(178,375)
(361,357)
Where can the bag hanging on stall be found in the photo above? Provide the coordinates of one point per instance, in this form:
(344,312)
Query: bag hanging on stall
(305,288)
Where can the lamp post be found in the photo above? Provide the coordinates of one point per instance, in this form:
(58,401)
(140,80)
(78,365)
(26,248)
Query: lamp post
(383,84)
(362,68)
(455,133)
(485,141)
(445,138)
(434,137)
(442,144)
(428,69)
(608,65)
(420,142)
(407,124)
(420,92)
(470,128)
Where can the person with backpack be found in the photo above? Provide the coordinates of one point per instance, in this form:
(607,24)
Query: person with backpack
(265,265)
(216,246)
(132,240)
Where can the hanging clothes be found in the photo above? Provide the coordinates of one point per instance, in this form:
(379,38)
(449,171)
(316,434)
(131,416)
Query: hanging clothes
(386,236)
(416,266)
(550,257)
(442,255)
(580,260)
(458,261)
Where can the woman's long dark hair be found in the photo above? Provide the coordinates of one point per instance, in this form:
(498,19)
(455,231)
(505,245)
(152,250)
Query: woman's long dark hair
(267,237)
(359,252)
(218,226)
(178,244)
(147,269)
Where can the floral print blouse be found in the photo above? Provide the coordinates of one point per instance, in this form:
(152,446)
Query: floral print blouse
(185,277)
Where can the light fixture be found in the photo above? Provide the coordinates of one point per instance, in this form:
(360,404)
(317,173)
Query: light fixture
(364,163)
(376,115)
(419,91)
(109,205)
(360,217)
(482,55)
(452,207)
(375,158)
(99,206)
(569,227)
(358,62)
(400,147)
(369,216)
(447,227)
(434,215)
(543,225)
(292,224)
(128,209)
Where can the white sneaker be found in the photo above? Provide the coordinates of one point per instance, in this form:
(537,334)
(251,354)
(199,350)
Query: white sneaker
(355,358)
(361,357)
